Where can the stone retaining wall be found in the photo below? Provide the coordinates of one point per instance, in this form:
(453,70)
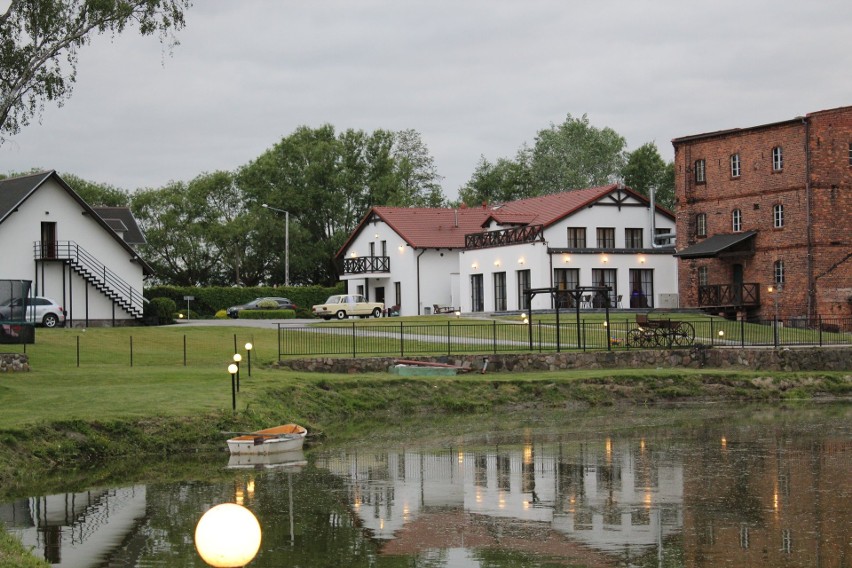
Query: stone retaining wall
(11,362)
(798,359)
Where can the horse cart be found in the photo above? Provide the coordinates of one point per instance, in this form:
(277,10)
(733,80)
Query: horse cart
(659,332)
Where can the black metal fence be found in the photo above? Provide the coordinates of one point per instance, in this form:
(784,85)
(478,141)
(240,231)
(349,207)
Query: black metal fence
(462,337)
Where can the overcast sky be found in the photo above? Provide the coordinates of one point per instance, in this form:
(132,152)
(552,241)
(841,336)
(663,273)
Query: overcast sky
(474,77)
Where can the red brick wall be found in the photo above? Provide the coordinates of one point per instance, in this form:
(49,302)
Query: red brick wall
(755,192)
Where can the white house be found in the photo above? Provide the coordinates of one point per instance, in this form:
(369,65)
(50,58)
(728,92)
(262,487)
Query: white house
(486,259)
(70,252)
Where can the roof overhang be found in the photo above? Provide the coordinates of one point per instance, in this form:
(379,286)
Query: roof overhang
(721,246)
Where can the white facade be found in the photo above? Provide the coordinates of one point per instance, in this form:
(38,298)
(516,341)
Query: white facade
(423,272)
(69,253)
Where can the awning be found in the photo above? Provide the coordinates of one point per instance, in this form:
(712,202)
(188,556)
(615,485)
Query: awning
(737,244)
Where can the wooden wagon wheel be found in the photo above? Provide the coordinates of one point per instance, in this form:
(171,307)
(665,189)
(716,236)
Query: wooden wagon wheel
(683,334)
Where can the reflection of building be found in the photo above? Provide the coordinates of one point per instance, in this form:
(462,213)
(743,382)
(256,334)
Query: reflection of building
(612,500)
(75,529)
(788,507)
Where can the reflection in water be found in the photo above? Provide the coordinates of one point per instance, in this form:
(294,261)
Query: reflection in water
(768,491)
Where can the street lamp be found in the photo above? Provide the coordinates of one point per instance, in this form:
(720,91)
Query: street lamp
(248,352)
(775,291)
(286,241)
(237,359)
(232,369)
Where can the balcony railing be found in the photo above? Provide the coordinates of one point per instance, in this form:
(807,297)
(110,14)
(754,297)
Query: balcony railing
(513,236)
(728,295)
(366,264)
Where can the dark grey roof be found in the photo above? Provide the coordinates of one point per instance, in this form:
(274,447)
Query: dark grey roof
(15,191)
(720,245)
(121,220)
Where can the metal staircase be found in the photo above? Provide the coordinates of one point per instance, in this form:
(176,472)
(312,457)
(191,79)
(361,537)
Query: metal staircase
(94,272)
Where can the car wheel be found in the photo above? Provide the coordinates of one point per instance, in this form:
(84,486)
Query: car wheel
(50,320)
(377,312)
(341,314)
(326,318)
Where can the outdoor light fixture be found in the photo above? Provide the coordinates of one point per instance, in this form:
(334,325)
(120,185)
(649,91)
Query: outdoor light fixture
(237,359)
(566,258)
(353,254)
(474,266)
(641,260)
(458,313)
(521,260)
(604,258)
(232,369)
(721,333)
(376,236)
(401,248)
(248,352)
(227,536)
(496,263)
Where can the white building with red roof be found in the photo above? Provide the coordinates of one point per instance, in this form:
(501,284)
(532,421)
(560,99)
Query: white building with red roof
(486,259)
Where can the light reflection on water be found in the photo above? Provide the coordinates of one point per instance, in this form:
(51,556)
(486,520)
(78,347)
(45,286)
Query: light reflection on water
(765,490)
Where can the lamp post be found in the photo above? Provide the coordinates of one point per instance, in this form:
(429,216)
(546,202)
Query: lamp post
(237,359)
(775,291)
(232,369)
(286,241)
(248,353)
(227,536)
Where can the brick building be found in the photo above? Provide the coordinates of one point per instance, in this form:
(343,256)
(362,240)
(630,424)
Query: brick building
(763,218)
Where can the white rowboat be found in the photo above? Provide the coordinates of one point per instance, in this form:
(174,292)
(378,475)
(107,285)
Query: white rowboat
(284,438)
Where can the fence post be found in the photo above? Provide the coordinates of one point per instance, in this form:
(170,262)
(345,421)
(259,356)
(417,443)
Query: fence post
(448,338)
(78,350)
(712,336)
(401,340)
(184,350)
(131,350)
(280,340)
(494,335)
(353,341)
(742,333)
(819,326)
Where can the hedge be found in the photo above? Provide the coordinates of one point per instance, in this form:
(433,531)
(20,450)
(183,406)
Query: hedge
(208,301)
(266,314)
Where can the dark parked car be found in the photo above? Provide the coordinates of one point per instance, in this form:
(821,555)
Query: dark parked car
(283,304)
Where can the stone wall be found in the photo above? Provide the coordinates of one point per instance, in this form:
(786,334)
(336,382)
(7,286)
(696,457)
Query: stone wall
(798,359)
(11,362)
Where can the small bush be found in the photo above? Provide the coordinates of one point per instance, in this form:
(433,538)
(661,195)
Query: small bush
(221,314)
(267,305)
(267,314)
(161,311)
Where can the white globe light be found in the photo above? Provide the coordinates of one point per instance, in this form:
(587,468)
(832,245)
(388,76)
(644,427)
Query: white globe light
(249,346)
(238,357)
(227,536)
(232,368)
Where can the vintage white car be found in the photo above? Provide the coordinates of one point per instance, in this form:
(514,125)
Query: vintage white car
(344,305)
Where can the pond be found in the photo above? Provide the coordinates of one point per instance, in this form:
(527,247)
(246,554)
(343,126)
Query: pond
(644,487)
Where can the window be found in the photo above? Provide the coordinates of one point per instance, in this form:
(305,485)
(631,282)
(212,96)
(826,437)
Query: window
(477,303)
(500,291)
(703,276)
(778,216)
(701,225)
(372,249)
(633,238)
(699,171)
(777,159)
(576,237)
(735,165)
(606,237)
(737,220)
(641,288)
(566,279)
(523,286)
(397,293)
(850,153)
(778,275)
(604,277)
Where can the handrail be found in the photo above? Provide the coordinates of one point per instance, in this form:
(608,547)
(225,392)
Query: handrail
(71,251)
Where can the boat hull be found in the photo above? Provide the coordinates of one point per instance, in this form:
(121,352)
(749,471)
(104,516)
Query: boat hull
(275,440)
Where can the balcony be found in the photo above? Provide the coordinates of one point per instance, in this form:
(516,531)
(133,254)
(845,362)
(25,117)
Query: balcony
(366,264)
(729,295)
(513,236)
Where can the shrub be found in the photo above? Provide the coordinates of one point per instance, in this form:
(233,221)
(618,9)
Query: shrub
(267,314)
(221,314)
(267,305)
(161,311)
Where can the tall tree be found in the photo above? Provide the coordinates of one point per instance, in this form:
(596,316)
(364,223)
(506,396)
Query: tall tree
(646,169)
(97,194)
(504,180)
(574,155)
(40,39)
(419,184)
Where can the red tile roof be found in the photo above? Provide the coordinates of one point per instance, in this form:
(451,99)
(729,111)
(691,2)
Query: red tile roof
(446,228)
